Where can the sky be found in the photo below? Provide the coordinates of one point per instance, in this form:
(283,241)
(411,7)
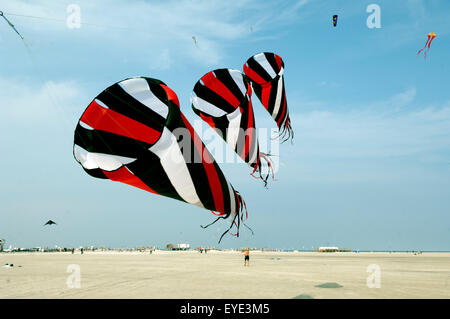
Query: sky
(369,167)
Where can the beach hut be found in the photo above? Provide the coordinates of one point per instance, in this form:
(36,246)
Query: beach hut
(183,246)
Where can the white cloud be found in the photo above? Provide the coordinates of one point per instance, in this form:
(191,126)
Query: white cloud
(39,105)
(375,132)
(162,62)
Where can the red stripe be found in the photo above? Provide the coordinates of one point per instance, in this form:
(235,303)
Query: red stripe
(431,40)
(125,176)
(249,131)
(284,108)
(171,94)
(107,120)
(208,119)
(265,94)
(217,86)
(278,59)
(213,178)
(253,75)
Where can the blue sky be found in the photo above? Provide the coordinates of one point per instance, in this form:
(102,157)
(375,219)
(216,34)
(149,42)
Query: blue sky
(370,163)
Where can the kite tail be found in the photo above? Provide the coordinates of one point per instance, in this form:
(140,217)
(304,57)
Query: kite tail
(285,132)
(421,50)
(426,51)
(221,215)
(238,218)
(426,43)
(258,168)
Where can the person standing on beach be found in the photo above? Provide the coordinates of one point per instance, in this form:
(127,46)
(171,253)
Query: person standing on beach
(247,257)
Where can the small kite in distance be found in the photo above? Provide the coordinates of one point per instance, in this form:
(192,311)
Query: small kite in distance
(10,24)
(335,17)
(50,222)
(195,40)
(430,38)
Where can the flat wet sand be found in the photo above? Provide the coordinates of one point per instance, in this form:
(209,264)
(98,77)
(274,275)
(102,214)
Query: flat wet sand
(216,274)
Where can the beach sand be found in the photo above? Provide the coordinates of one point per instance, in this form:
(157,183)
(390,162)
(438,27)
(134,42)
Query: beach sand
(190,274)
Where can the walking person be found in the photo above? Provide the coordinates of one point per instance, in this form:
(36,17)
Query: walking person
(247,257)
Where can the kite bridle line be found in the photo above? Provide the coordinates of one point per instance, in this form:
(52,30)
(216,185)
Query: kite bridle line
(33,60)
(63,20)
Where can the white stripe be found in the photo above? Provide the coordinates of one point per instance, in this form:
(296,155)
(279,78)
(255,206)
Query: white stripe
(207,107)
(254,147)
(82,124)
(139,89)
(167,149)
(106,162)
(101,104)
(234,127)
(278,99)
(238,79)
(261,59)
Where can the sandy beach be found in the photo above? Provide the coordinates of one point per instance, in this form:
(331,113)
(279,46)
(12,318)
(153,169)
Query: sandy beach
(190,274)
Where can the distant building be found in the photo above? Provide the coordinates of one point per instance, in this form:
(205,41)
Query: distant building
(332,249)
(183,246)
(2,242)
(327,249)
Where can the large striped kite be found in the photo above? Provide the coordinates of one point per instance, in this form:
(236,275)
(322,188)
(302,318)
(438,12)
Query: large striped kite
(131,132)
(265,71)
(222,98)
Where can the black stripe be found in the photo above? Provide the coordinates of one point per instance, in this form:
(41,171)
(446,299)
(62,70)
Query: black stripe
(96,172)
(272,97)
(280,111)
(148,168)
(225,77)
(194,160)
(257,89)
(108,143)
(212,97)
(120,101)
(258,68)
(221,123)
(225,191)
(272,61)
(240,145)
(244,125)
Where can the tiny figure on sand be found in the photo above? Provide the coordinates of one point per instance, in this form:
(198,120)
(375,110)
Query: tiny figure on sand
(247,257)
